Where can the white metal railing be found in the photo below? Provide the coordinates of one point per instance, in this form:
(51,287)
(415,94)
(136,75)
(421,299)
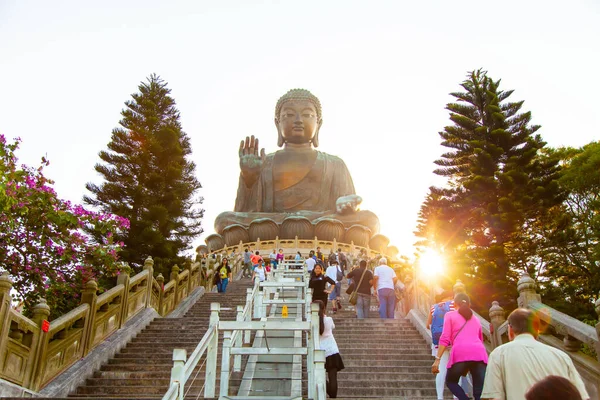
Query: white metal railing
(237,333)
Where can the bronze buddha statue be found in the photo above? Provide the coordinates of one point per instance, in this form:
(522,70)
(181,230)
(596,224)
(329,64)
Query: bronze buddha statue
(297,182)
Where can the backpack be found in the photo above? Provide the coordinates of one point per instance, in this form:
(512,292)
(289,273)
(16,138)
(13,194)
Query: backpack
(437,321)
(340,274)
(223,272)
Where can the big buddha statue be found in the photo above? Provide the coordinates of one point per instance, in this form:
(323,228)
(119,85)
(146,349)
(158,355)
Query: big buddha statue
(298,190)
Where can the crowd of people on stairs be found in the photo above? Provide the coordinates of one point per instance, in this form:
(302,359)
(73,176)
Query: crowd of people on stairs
(524,368)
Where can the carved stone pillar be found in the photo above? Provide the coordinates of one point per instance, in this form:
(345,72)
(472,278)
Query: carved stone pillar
(89,295)
(160,279)
(571,344)
(497,318)
(527,293)
(5,304)
(149,266)
(175,277)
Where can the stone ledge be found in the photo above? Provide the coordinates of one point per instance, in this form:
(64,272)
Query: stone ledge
(76,375)
(8,389)
(420,323)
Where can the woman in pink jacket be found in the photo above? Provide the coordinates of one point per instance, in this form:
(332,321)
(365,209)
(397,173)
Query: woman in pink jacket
(462,331)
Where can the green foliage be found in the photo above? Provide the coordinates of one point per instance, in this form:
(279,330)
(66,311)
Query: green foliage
(149,179)
(499,184)
(42,243)
(570,277)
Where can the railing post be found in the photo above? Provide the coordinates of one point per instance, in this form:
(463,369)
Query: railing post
(313,317)
(178,371)
(190,285)
(89,296)
(225,364)
(41,311)
(210,377)
(258,304)
(237,359)
(160,279)
(124,280)
(175,276)
(319,371)
(5,304)
(249,316)
(149,266)
(497,318)
(527,293)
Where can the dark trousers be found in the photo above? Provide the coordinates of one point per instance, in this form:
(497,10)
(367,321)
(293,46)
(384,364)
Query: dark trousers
(477,369)
(332,385)
(322,298)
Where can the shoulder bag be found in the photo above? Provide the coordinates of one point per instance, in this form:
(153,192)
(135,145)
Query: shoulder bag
(354,296)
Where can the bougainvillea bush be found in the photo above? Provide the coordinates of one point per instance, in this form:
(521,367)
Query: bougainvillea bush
(43,245)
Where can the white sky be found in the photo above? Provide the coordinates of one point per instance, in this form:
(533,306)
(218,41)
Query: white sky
(382,70)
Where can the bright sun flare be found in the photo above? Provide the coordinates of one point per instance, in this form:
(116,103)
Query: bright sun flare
(431,262)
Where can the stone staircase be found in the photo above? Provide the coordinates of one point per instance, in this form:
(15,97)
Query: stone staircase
(383,358)
(142,369)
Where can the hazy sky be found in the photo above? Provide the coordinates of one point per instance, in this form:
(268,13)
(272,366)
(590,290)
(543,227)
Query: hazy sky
(382,70)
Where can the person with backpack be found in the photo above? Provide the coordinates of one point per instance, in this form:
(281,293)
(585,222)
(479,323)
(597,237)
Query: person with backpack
(435,323)
(224,275)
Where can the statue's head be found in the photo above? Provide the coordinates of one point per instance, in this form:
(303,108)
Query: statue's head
(298,118)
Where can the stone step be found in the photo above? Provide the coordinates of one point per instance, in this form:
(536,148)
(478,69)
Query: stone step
(392,352)
(392,363)
(393,392)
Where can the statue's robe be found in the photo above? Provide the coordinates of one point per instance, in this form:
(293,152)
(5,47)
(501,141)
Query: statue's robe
(317,191)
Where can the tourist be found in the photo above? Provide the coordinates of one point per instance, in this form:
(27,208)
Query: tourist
(320,256)
(247,272)
(384,280)
(342,259)
(310,264)
(553,387)
(335,273)
(333,360)
(515,366)
(256,260)
(363,279)
(332,257)
(224,275)
(318,282)
(298,257)
(273,259)
(463,332)
(259,273)
(435,322)
(280,257)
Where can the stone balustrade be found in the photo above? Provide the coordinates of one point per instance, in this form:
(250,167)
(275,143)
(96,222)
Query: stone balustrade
(559,329)
(304,246)
(31,358)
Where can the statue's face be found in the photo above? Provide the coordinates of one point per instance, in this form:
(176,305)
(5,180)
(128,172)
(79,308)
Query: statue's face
(298,122)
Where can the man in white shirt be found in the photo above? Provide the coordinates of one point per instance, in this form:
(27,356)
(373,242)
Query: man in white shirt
(384,280)
(310,264)
(273,259)
(516,366)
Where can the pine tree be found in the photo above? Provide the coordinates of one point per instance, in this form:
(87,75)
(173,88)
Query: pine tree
(497,185)
(149,179)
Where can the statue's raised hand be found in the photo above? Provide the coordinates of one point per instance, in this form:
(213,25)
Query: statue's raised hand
(250,161)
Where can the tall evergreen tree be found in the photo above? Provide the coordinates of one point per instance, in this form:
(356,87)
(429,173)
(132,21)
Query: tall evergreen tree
(497,185)
(149,179)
